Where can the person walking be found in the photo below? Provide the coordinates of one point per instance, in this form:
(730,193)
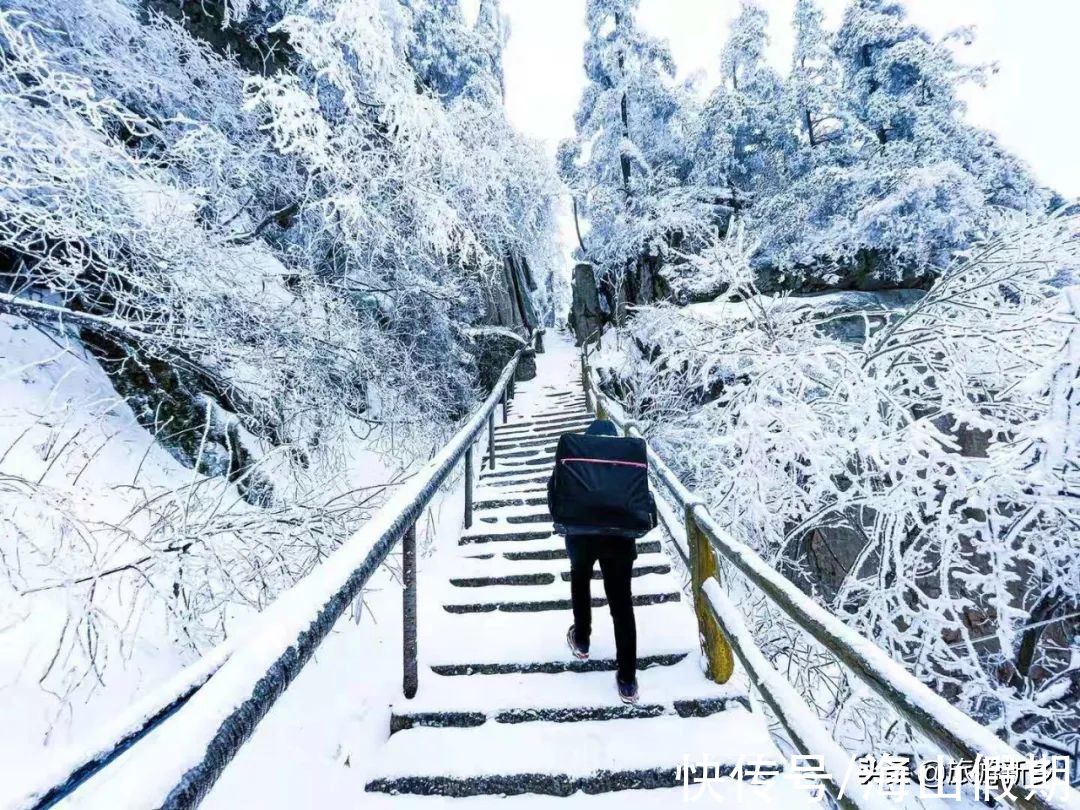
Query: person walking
(613,547)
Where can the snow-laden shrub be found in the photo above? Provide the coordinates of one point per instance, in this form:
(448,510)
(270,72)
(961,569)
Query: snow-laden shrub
(936,460)
(276,271)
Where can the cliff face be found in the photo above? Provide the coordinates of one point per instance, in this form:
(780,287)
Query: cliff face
(508,297)
(509,317)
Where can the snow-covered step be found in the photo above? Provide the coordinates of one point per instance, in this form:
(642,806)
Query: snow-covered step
(541,592)
(534,463)
(518,455)
(523,427)
(479,574)
(497,637)
(500,501)
(532,430)
(517,513)
(525,417)
(564,697)
(524,451)
(559,759)
(570,713)
(649,598)
(550,552)
(525,438)
(527,518)
(487,497)
(516,484)
(594,664)
(531,456)
(529,484)
(531,474)
(570,411)
(500,475)
(524,536)
(782,793)
(509,534)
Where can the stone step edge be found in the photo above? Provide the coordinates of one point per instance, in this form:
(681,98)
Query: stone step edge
(648,547)
(546,577)
(471,718)
(551,667)
(601,781)
(541,606)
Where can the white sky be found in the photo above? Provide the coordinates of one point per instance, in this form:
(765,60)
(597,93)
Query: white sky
(1031,103)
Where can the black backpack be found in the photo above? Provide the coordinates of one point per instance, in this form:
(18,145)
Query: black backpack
(600,485)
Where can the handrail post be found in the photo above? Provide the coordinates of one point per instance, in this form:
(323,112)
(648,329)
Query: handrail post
(719,660)
(408,612)
(504,406)
(468,486)
(491,440)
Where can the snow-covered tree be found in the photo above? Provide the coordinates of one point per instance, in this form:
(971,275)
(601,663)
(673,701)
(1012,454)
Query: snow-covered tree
(275,267)
(902,84)
(743,140)
(627,163)
(437,48)
(492,30)
(814,82)
(904,182)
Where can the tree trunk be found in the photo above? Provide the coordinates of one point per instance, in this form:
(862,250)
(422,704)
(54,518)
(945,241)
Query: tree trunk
(624,108)
(810,128)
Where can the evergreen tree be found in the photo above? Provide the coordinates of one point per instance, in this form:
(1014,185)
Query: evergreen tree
(439,49)
(627,164)
(814,84)
(742,135)
(491,33)
(928,180)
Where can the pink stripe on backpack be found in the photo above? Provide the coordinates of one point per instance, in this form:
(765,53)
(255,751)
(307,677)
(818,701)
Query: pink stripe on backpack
(637,464)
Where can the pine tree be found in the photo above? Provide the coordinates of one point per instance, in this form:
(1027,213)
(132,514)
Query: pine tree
(928,181)
(901,84)
(742,60)
(814,83)
(492,31)
(627,159)
(742,127)
(439,48)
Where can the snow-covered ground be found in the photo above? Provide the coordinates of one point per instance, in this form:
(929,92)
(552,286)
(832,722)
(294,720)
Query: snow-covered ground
(74,465)
(78,477)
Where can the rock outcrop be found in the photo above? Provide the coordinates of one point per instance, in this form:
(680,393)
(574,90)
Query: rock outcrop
(586,316)
(508,297)
(492,347)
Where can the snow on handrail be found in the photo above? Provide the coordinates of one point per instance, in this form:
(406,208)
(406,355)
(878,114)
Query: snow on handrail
(71,768)
(802,725)
(954,732)
(224,695)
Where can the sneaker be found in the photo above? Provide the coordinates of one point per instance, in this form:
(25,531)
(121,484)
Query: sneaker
(628,692)
(579,654)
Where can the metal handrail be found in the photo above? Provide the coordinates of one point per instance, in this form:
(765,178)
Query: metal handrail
(232,688)
(955,733)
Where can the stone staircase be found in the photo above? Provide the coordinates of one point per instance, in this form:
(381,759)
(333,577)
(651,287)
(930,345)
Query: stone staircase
(504,710)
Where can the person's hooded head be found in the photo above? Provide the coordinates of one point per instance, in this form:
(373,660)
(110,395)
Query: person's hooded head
(602,427)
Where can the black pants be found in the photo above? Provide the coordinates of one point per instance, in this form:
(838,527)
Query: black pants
(617,570)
